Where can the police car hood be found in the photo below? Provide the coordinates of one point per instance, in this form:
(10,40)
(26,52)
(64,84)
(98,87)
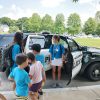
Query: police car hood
(92,49)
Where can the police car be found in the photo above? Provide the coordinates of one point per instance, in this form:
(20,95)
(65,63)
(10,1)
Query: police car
(45,41)
(86,59)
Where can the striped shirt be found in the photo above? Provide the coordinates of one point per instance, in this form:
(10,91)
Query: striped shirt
(36,72)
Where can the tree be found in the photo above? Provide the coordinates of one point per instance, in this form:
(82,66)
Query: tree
(21,22)
(5,20)
(97,16)
(47,23)
(27,26)
(90,26)
(35,22)
(13,29)
(74,24)
(59,26)
(98,29)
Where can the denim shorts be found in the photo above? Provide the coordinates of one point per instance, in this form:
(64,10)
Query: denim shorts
(35,87)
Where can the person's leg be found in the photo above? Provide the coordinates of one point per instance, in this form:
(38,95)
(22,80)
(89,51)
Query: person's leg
(2,97)
(54,72)
(33,96)
(59,72)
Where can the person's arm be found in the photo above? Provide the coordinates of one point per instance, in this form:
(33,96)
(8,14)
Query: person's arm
(11,76)
(43,72)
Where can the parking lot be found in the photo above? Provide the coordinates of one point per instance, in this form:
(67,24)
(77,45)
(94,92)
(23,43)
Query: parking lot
(76,82)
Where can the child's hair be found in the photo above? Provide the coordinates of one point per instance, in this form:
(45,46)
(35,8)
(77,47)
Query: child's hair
(56,37)
(21,58)
(36,47)
(31,56)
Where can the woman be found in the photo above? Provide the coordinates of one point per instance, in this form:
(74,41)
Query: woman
(17,47)
(57,54)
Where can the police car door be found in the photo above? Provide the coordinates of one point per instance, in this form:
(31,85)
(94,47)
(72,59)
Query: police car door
(77,57)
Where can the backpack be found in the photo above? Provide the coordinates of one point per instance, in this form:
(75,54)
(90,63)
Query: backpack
(7,60)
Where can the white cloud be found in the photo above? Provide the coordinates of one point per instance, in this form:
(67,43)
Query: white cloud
(1,6)
(84,1)
(51,3)
(16,12)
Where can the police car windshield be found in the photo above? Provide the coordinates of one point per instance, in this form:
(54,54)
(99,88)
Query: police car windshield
(5,40)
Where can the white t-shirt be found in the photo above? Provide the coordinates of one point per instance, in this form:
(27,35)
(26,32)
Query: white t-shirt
(36,72)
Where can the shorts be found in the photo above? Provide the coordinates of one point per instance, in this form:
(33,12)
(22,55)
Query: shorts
(57,62)
(35,87)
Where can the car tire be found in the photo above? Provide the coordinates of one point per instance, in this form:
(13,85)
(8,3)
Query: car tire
(93,72)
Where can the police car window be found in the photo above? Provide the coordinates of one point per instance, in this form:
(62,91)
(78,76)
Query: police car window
(73,45)
(63,42)
(5,40)
(36,40)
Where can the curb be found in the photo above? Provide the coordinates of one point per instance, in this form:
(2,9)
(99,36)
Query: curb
(61,89)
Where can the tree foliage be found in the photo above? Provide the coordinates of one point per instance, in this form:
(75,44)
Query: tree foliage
(74,24)
(6,20)
(21,22)
(13,29)
(98,29)
(90,26)
(97,16)
(59,26)
(35,23)
(47,23)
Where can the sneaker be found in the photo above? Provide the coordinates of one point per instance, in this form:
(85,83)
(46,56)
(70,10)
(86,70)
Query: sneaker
(53,85)
(40,92)
(59,85)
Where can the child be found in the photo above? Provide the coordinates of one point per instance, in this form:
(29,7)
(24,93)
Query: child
(20,76)
(57,55)
(36,48)
(36,72)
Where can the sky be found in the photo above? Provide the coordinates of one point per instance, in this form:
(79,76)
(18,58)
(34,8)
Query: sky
(15,9)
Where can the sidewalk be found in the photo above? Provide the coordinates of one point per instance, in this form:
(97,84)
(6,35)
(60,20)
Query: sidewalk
(77,93)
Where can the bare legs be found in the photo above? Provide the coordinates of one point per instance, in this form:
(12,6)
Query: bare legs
(54,72)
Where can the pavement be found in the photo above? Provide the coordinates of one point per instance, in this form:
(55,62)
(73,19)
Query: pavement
(76,93)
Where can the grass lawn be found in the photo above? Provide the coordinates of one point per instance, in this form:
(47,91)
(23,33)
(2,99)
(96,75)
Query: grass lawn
(88,42)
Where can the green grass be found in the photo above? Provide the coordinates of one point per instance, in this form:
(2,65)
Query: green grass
(88,42)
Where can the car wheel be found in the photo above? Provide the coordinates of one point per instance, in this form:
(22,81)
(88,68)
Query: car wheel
(93,72)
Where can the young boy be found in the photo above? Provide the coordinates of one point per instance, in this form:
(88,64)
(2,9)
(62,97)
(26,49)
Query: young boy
(20,77)
(36,72)
(36,48)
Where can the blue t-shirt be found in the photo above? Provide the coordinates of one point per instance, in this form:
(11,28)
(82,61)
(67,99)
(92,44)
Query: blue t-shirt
(15,50)
(41,58)
(56,51)
(22,80)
